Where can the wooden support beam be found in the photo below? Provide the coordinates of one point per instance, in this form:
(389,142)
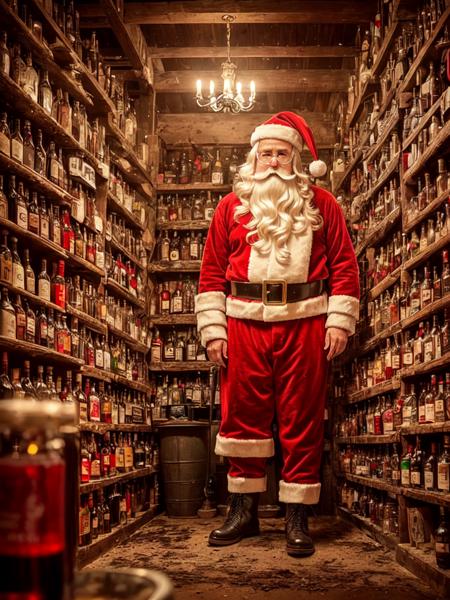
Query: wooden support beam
(251,11)
(219,128)
(281,80)
(131,39)
(255,52)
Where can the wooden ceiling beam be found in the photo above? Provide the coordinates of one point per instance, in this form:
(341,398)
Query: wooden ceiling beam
(251,11)
(219,128)
(337,12)
(254,52)
(281,80)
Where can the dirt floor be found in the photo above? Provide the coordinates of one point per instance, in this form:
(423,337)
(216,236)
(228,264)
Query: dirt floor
(347,565)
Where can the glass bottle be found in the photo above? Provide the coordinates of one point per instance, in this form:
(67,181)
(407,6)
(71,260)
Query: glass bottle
(7,316)
(6,266)
(18,273)
(442,540)
(443,467)
(5,135)
(40,156)
(28,146)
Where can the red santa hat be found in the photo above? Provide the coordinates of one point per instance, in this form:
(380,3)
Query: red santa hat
(294,129)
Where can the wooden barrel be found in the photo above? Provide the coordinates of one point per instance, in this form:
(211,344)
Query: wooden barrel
(183,463)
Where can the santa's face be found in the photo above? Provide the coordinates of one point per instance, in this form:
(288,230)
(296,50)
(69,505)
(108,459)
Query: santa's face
(274,156)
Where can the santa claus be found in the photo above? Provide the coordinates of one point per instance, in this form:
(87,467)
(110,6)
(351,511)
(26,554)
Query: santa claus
(278,298)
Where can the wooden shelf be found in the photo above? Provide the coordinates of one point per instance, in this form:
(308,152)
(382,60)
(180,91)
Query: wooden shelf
(134,385)
(386,539)
(175,366)
(183,225)
(46,246)
(43,55)
(427,48)
(423,256)
(182,319)
(383,54)
(380,388)
(434,205)
(111,377)
(192,187)
(423,565)
(86,319)
(423,121)
(175,266)
(32,297)
(377,484)
(138,171)
(39,352)
(47,188)
(105,542)
(439,141)
(373,342)
(358,155)
(368,88)
(384,177)
(385,283)
(123,293)
(102,428)
(17,99)
(439,498)
(389,126)
(379,232)
(426,312)
(426,428)
(95,373)
(115,205)
(369,439)
(99,484)
(426,367)
(116,245)
(130,341)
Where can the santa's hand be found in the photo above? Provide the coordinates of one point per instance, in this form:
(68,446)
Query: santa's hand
(217,351)
(336,341)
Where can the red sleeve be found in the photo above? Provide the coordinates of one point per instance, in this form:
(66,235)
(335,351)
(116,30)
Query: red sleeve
(215,254)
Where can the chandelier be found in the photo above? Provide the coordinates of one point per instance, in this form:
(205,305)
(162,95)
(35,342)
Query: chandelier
(231,98)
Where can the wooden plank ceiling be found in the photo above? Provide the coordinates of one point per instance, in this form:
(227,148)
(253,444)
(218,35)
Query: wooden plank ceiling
(300,53)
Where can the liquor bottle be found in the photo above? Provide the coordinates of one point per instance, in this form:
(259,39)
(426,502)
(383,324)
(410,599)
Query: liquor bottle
(18,274)
(5,61)
(40,156)
(405,467)
(442,540)
(417,466)
(6,266)
(59,286)
(33,215)
(45,95)
(93,403)
(443,467)
(5,135)
(430,469)
(176,301)
(42,391)
(21,319)
(28,146)
(17,142)
(18,204)
(6,387)
(7,316)
(426,289)
(439,400)
(174,253)
(41,327)
(445,277)
(26,383)
(30,279)
(31,79)
(395,467)
(52,164)
(80,399)
(3,201)
(217,170)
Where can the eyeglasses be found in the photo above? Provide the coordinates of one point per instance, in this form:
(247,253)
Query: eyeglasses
(283,157)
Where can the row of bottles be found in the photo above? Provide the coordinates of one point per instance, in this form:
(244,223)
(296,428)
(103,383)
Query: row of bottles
(179,246)
(117,231)
(107,455)
(432,187)
(218,167)
(175,391)
(372,504)
(126,195)
(193,207)
(102,511)
(176,346)
(126,273)
(173,297)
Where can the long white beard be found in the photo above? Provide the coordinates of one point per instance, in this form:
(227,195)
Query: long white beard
(279,207)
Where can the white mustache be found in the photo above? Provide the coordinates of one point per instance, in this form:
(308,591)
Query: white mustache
(269,172)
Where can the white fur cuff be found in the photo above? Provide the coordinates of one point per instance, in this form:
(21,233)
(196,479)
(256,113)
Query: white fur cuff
(346,305)
(245,485)
(342,321)
(211,317)
(277,132)
(244,448)
(210,301)
(299,493)
(213,332)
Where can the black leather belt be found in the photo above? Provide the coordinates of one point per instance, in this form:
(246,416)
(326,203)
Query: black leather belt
(277,291)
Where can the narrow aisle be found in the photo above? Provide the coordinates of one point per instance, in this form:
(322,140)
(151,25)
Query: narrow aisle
(347,563)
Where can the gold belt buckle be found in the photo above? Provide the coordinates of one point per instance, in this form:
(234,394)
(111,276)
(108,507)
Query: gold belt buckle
(266,292)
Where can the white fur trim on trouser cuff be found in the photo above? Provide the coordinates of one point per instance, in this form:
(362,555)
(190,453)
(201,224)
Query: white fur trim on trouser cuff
(342,321)
(244,448)
(246,485)
(299,493)
(210,301)
(213,332)
(277,132)
(346,305)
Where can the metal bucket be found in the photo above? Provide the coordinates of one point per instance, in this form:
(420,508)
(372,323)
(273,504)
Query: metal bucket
(125,584)
(183,462)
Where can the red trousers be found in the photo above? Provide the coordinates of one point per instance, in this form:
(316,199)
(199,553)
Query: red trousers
(276,370)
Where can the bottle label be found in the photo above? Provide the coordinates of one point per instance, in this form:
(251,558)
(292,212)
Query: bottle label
(128,457)
(83,412)
(443,477)
(209,212)
(191,352)
(60,295)
(5,144)
(95,468)
(429,413)
(54,170)
(395,476)
(428,350)
(56,233)
(156,354)
(422,414)
(106,459)
(428,477)
(439,407)
(8,324)
(178,304)
(43,330)
(45,233)
(408,358)
(165,305)
(44,289)
(85,468)
(22,216)
(94,408)
(18,276)
(217,178)
(426,296)
(99,362)
(194,249)
(179,353)
(406,477)
(107,361)
(5,270)
(32,512)
(17,150)
(85,521)
(169,352)
(415,478)
(120,458)
(174,254)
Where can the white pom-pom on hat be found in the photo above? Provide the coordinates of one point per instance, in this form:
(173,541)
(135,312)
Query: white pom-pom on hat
(317,168)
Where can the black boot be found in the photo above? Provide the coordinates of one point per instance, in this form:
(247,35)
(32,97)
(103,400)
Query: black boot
(242,521)
(298,541)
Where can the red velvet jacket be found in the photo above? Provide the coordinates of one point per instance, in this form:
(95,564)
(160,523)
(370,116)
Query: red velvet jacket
(323,254)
